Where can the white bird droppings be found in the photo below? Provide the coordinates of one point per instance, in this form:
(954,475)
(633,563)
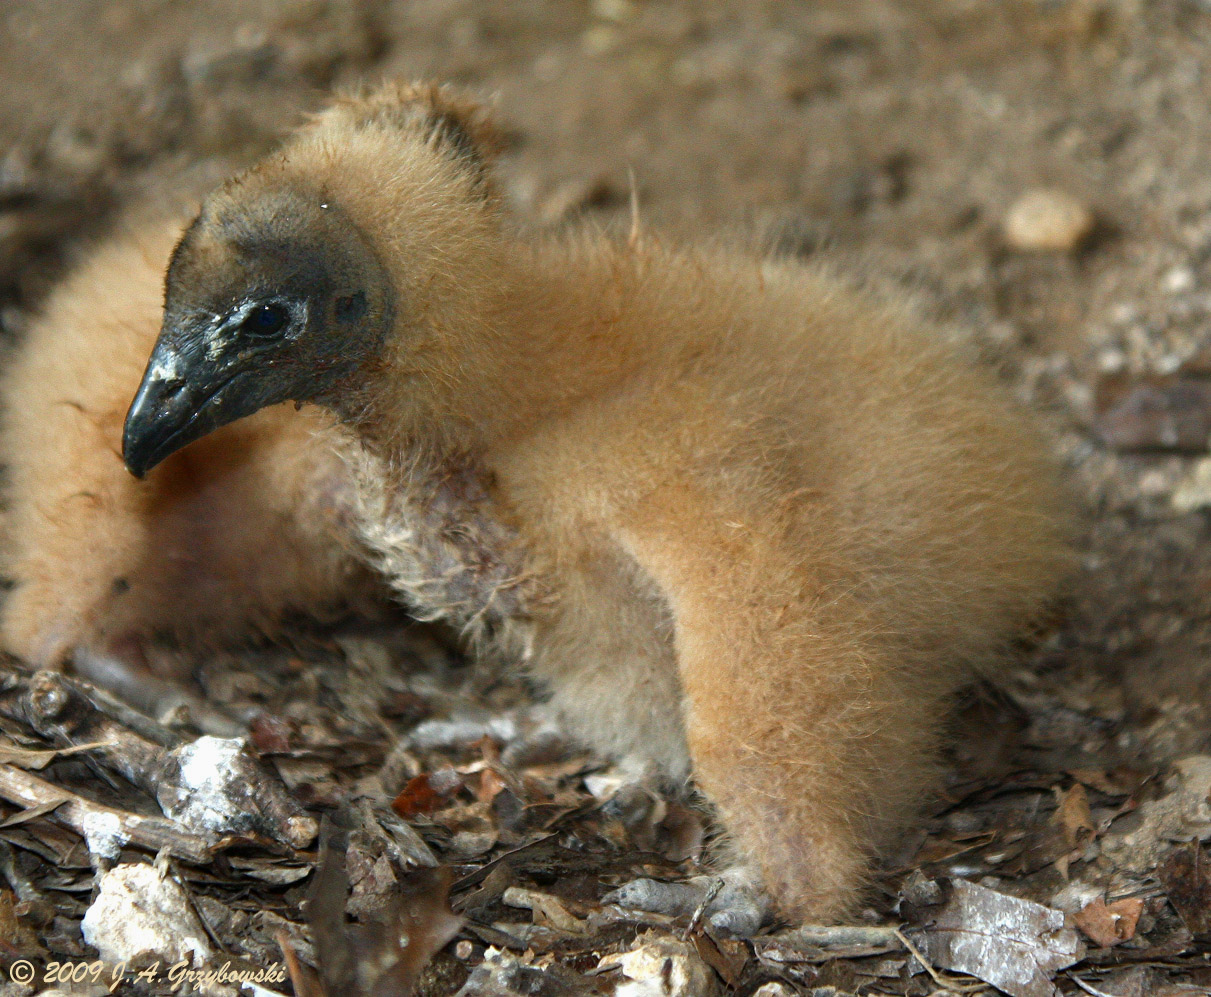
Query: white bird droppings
(103,834)
(206,767)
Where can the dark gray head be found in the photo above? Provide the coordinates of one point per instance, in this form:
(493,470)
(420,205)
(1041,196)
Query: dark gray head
(272,295)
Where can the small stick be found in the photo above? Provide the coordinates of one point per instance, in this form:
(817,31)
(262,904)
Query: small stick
(842,935)
(700,912)
(85,817)
(1087,988)
(66,711)
(938,978)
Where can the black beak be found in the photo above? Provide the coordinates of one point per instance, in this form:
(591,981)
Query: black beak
(184,395)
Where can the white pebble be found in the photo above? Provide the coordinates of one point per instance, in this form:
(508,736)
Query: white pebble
(1178,280)
(1047,220)
(139,914)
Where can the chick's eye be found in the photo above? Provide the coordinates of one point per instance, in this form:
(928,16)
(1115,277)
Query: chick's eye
(266,320)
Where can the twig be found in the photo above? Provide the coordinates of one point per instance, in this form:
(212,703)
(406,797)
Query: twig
(938,978)
(88,818)
(67,713)
(21,884)
(480,874)
(146,691)
(1086,987)
(700,912)
(305,982)
(841,935)
(242,792)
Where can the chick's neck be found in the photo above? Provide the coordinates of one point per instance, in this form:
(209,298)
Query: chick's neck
(525,336)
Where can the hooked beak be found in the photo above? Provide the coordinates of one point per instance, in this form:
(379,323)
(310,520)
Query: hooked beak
(184,395)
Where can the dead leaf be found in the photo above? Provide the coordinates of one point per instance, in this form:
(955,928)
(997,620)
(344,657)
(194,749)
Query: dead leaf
(1015,945)
(490,784)
(326,917)
(33,813)
(271,734)
(1186,876)
(1074,817)
(726,956)
(17,939)
(1109,924)
(35,760)
(417,797)
(395,949)
(270,870)
(547,910)
(488,750)
(26,758)
(424,926)
(945,849)
(1115,782)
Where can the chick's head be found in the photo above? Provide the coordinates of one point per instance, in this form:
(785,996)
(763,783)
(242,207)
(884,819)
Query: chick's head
(280,290)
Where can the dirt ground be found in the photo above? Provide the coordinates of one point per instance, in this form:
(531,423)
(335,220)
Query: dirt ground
(895,136)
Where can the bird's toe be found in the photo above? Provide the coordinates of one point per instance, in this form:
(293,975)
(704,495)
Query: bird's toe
(731,902)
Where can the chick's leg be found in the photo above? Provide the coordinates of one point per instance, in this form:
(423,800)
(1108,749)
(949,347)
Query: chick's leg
(609,660)
(810,760)
(810,737)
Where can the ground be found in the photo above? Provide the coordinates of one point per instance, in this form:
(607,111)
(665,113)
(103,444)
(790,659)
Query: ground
(895,136)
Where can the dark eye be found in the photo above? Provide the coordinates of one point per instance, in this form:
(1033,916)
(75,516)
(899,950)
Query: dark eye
(266,320)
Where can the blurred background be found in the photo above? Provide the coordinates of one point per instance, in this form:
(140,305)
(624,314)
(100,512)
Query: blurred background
(1033,171)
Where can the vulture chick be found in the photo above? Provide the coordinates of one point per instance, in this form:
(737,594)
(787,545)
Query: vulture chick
(229,535)
(747,524)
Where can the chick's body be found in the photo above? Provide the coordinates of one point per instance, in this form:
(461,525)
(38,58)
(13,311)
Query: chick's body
(748,524)
(239,529)
(764,546)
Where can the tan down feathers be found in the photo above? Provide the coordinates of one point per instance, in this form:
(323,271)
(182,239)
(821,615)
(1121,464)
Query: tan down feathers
(234,532)
(746,523)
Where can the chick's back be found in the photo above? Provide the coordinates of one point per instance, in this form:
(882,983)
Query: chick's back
(878,452)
